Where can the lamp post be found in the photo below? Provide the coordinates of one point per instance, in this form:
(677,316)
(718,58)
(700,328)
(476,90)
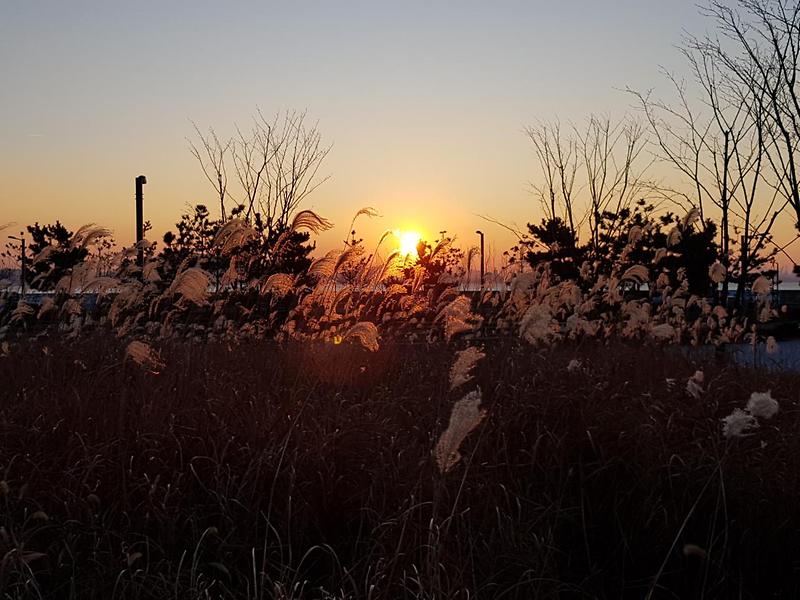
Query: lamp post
(776,281)
(21,240)
(480,233)
(140,181)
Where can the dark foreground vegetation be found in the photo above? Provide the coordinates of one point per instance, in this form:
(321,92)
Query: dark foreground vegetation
(305,471)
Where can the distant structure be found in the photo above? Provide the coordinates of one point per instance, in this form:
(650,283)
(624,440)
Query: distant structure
(480,233)
(140,181)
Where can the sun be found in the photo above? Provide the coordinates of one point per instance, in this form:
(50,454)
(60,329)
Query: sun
(408,241)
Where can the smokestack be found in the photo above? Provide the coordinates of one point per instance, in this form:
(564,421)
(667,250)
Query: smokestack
(140,181)
(480,233)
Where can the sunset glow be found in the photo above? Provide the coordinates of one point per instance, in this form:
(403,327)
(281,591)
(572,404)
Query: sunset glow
(371,299)
(407,243)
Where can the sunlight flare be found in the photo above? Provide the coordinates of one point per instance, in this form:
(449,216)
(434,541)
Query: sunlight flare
(407,243)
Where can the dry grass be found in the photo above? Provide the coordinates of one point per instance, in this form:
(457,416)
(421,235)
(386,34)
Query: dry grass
(307,471)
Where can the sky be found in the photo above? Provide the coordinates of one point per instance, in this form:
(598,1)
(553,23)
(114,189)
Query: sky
(424,103)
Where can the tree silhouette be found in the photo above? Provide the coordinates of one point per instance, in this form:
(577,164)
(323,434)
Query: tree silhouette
(561,249)
(50,255)
(260,256)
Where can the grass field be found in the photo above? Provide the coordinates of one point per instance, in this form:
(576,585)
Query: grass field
(305,471)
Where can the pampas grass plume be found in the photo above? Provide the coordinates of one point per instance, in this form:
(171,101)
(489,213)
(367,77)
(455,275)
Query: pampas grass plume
(464,417)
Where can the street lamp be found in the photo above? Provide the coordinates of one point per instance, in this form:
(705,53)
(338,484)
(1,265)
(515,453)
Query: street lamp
(140,181)
(21,261)
(480,233)
(776,281)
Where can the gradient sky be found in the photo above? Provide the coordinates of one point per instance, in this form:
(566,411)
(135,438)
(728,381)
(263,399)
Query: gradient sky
(424,102)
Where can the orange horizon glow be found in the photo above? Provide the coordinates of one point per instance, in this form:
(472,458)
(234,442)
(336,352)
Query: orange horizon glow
(407,242)
(425,108)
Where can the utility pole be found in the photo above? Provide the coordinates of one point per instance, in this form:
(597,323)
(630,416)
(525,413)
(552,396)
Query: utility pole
(480,233)
(21,240)
(140,181)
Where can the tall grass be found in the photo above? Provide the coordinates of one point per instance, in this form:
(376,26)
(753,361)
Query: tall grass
(308,470)
(355,290)
(359,430)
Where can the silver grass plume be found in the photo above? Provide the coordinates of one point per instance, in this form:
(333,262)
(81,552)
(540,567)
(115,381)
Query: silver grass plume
(347,256)
(129,295)
(440,246)
(761,286)
(305,219)
(365,333)
(762,405)
(150,271)
(47,306)
(367,211)
(460,372)
(471,254)
(637,273)
(738,424)
(78,277)
(192,284)
(537,324)
(691,216)
(457,317)
(419,277)
(664,331)
(674,238)
(717,272)
(308,219)
(324,266)
(88,234)
(391,267)
(383,237)
(278,283)
(231,274)
(464,417)
(340,296)
(144,355)
(101,285)
(233,235)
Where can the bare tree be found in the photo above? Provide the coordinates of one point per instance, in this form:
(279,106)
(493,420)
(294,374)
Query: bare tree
(721,149)
(760,50)
(252,153)
(558,159)
(276,164)
(610,153)
(589,173)
(211,153)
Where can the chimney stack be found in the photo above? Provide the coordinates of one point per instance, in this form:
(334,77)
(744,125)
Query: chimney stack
(140,181)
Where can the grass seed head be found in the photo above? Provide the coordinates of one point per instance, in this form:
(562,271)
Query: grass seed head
(144,355)
(762,405)
(463,365)
(465,417)
(738,424)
